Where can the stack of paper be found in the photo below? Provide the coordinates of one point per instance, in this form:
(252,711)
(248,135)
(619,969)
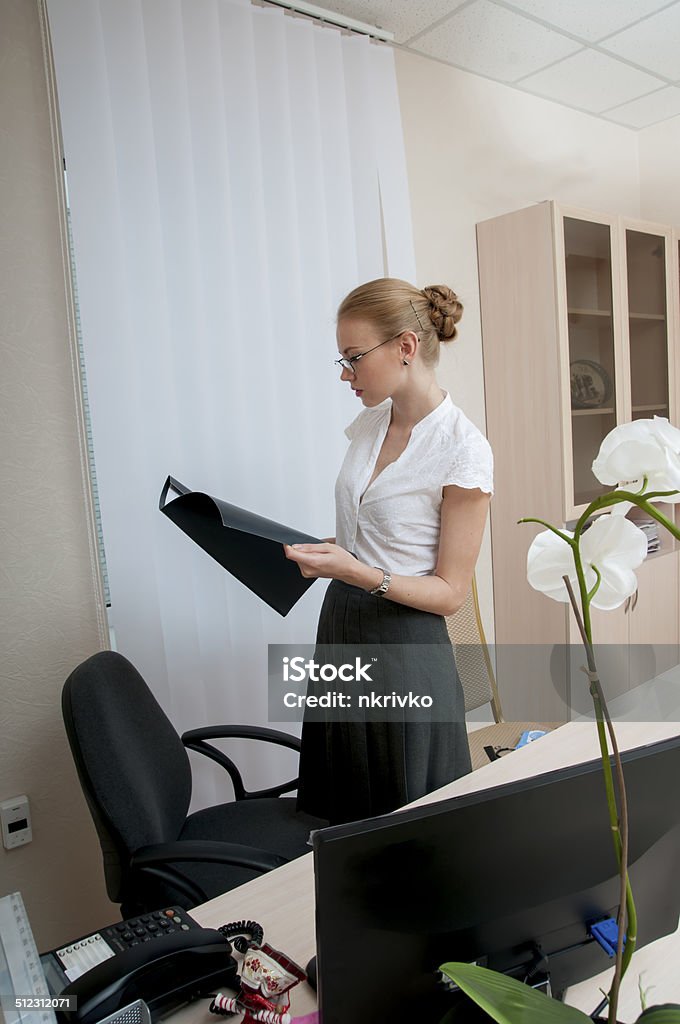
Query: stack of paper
(651,530)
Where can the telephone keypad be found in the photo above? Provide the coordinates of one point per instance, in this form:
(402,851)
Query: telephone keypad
(147,927)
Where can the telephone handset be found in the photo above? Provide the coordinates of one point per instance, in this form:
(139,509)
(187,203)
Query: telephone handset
(164,960)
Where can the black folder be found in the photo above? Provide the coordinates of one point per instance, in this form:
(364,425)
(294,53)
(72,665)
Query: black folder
(246,545)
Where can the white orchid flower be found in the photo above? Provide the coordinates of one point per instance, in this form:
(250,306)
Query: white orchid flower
(613,544)
(643,448)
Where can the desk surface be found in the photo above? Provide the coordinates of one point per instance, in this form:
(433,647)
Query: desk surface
(283,900)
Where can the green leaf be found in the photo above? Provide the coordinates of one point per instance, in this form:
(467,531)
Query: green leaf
(667,1013)
(508,1001)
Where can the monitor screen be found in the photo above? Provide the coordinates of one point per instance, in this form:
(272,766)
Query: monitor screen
(491,876)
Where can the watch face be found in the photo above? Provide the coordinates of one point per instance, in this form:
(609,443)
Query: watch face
(383,587)
(591,386)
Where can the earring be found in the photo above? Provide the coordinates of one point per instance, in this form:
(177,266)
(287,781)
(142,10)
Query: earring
(405,362)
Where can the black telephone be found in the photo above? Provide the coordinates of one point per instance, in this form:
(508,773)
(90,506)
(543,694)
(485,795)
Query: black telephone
(164,958)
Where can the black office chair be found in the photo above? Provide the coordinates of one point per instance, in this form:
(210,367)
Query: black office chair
(136,777)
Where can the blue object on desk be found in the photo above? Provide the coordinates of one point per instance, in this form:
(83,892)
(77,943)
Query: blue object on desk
(529,735)
(607,934)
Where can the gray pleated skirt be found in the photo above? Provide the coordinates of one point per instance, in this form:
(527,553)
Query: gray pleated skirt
(357,769)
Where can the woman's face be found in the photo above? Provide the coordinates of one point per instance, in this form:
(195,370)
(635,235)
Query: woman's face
(378,373)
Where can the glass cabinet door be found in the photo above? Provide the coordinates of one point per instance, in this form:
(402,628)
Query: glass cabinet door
(647,323)
(592,370)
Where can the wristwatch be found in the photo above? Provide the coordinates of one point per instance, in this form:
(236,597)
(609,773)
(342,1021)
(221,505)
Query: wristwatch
(383,587)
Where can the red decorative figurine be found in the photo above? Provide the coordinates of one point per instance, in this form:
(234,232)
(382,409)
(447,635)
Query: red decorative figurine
(267,976)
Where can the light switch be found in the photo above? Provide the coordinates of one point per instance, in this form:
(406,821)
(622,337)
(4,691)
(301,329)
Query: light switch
(15,815)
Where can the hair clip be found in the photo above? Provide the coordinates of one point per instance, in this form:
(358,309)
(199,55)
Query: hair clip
(417,317)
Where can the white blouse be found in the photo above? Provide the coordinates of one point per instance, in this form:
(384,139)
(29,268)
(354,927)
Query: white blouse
(395,525)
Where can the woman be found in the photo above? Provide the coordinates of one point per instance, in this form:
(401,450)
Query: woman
(411,504)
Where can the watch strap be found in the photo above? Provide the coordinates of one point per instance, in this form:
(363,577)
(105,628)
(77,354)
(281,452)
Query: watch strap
(384,586)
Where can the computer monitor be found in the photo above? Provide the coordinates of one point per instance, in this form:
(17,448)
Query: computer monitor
(499,876)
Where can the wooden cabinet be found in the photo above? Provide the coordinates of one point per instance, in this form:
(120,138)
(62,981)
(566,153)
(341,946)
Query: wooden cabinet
(635,642)
(580,327)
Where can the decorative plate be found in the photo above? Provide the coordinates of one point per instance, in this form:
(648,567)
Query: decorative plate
(591,385)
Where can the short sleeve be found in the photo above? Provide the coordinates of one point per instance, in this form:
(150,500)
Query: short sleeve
(471,465)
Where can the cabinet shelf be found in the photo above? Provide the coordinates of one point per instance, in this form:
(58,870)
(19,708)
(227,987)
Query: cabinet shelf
(646,316)
(650,408)
(662,552)
(600,411)
(575,311)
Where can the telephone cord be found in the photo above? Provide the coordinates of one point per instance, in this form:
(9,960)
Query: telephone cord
(237,932)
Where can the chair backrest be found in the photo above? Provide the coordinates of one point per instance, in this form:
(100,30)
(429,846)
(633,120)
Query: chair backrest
(472,655)
(132,766)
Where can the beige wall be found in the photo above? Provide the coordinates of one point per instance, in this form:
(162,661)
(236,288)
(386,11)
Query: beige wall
(52,614)
(476,149)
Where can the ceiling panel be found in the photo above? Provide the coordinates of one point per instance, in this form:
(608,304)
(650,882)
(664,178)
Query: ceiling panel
(589,19)
(653,44)
(658,106)
(405,18)
(495,42)
(591,81)
(592,55)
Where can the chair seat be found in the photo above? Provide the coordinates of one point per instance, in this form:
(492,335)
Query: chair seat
(271,823)
(502,735)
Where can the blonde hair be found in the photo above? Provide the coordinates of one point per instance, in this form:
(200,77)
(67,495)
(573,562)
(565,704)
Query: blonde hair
(393,306)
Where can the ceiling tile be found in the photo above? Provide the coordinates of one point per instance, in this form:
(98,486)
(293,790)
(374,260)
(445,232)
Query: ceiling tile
(589,19)
(653,44)
(405,18)
(591,81)
(648,109)
(490,40)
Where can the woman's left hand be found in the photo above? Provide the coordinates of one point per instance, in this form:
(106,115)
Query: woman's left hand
(322,561)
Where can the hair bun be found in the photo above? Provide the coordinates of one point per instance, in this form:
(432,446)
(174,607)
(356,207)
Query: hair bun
(445,310)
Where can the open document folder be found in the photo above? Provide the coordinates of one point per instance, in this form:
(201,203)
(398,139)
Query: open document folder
(248,546)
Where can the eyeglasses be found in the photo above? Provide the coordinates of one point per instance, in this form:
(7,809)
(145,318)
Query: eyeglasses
(348,364)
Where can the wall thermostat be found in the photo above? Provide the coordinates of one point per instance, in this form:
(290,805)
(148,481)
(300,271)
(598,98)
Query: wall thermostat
(15,815)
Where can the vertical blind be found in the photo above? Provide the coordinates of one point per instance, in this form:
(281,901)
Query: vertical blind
(233,171)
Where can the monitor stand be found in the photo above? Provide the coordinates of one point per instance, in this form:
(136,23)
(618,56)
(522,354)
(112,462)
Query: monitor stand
(311,973)
(463,1009)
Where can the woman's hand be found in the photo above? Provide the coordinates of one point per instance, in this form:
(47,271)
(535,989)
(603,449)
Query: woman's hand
(323,561)
(442,592)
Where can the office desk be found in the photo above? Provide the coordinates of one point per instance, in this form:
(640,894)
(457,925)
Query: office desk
(283,900)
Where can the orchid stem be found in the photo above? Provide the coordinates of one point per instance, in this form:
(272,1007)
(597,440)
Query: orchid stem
(563,536)
(615,791)
(618,817)
(614,498)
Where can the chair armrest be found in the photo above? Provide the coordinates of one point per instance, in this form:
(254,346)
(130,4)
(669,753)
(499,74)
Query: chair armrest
(244,732)
(159,860)
(207,851)
(195,739)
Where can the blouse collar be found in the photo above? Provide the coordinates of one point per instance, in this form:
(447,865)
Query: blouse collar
(432,417)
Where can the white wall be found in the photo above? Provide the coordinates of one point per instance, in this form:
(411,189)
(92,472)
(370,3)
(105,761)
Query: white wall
(476,149)
(660,172)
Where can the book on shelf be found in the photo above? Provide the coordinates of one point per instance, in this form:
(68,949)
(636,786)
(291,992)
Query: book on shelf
(650,528)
